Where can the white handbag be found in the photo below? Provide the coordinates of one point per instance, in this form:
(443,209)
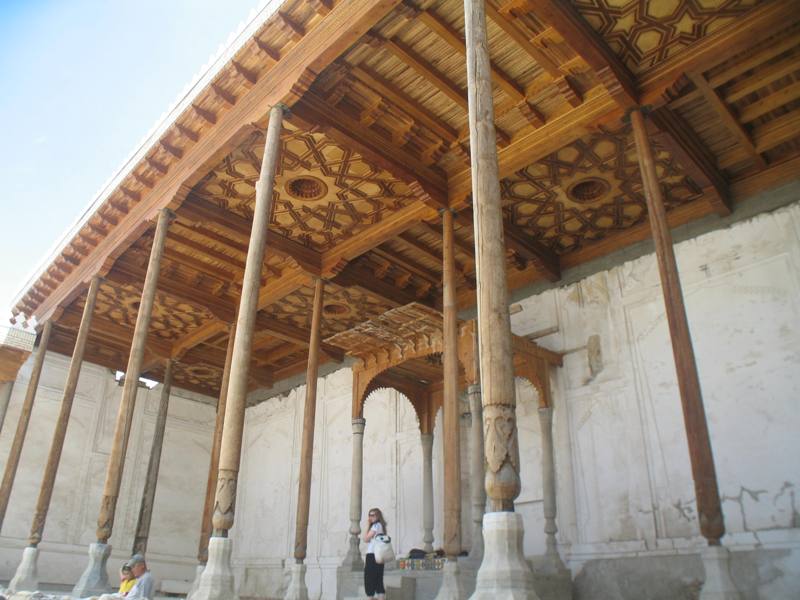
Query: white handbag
(384,553)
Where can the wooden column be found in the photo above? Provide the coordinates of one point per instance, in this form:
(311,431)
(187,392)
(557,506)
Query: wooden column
(494,325)
(427,491)
(712,524)
(549,508)
(216,444)
(60,432)
(476,470)
(5,398)
(225,499)
(122,430)
(352,560)
(151,480)
(309,415)
(22,425)
(452,425)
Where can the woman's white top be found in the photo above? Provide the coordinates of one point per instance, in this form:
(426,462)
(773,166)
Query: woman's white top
(378,529)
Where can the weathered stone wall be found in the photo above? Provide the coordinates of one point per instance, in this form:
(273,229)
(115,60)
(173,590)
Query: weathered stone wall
(76,498)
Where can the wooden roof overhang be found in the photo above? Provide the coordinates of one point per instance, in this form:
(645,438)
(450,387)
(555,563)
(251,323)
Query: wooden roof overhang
(376,142)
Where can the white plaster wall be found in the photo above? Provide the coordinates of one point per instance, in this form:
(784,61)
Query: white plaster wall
(621,435)
(73,513)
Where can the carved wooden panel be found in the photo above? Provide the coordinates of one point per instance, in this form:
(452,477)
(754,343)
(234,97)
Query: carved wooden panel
(342,308)
(587,189)
(323,193)
(643,33)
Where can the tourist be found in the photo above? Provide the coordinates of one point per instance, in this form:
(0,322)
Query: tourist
(126,579)
(143,588)
(373,572)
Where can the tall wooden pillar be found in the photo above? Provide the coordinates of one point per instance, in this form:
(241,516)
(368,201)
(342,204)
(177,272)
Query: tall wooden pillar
(426,439)
(309,415)
(352,560)
(5,398)
(216,444)
(116,461)
(151,480)
(712,524)
(494,325)
(225,499)
(60,432)
(452,425)
(476,471)
(22,425)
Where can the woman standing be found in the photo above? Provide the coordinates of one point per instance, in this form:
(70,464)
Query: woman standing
(373,572)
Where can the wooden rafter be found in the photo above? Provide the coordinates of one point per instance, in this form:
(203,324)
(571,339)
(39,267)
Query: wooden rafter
(678,137)
(356,276)
(723,111)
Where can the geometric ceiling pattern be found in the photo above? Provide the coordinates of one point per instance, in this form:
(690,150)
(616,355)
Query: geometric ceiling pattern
(323,193)
(644,33)
(342,308)
(587,189)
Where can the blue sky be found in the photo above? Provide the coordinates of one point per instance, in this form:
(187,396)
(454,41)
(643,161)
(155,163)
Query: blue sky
(81,83)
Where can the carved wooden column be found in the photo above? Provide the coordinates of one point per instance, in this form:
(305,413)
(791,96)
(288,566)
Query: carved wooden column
(503,572)
(297,589)
(217,581)
(476,471)
(452,423)
(213,466)
(151,480)
(553,562)
(426,440)
(5,398)
(95,579)
(709,509)
(22,425)
(352,560)
(25,577)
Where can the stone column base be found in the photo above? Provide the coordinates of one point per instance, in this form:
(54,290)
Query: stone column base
(198,573)
(217,581)
(451,582)
(504,572)
(27,577)
(297,589)
(352,560)
(718,584)
(94,580)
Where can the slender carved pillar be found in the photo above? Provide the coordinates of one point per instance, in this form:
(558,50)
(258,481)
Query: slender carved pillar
(712,524)
(94,579)
(504,572)
(476,471)
(553,562)
(22,425)
(217,580)
(297,589)
(151,480)
(213,467)
(26,577)
(352,559)
(116,462)
(216,445)
(450,588)
(427,491)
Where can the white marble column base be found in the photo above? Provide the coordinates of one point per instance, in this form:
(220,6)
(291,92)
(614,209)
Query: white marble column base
(297,589)
(718,584)
(27,577)
(504,573)
(451,582)
(94,581)
(217,581)
(352,560)
(198,573)
(475,556)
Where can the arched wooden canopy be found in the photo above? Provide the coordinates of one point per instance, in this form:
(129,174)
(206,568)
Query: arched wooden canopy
(400,350)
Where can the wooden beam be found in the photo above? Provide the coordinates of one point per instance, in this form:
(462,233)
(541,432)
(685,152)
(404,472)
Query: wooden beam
(729,121)
(408,265)
(588,44)
(356,276)
(198,212)
(675,134)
